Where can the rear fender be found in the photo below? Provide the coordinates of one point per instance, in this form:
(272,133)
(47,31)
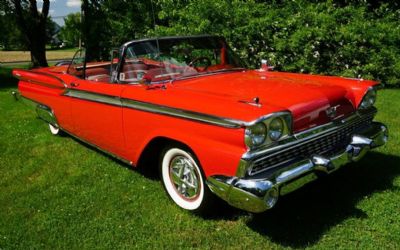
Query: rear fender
(41,78)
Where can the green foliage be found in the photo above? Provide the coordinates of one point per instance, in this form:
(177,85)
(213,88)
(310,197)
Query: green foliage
(358,39)
(10,36)
(336,37)
(128,19)
(108,24)
(71,31)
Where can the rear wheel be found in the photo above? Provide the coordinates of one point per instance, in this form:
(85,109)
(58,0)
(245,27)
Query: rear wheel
(54,130)
(183,179)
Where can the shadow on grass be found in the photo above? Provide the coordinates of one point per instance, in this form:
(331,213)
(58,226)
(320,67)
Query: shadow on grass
(301,218)
(6,78)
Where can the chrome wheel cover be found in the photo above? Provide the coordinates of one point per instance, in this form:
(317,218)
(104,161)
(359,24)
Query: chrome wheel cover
(184,177)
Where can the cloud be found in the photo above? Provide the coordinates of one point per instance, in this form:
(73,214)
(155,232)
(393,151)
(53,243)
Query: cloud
(73,3)
(51,11)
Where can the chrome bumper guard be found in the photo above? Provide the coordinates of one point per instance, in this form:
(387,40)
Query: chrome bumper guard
(43,112)
(259,194)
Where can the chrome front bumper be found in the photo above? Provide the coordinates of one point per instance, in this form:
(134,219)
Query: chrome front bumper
(259,194)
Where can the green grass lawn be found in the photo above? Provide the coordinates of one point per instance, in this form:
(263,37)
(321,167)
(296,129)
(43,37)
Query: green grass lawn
(56,192)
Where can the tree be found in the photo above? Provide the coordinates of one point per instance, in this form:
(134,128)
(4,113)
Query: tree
(95,30)
(109,23)
(32,24)
(71,31)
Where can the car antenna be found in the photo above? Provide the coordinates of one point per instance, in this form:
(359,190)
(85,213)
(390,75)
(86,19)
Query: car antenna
(154,27)
(154,24)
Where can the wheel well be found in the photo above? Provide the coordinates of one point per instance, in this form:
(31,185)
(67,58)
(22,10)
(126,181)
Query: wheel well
(150,156)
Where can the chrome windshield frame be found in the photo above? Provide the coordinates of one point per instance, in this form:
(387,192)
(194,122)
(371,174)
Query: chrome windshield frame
(125,46)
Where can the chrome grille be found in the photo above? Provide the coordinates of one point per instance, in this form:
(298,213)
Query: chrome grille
(326,145)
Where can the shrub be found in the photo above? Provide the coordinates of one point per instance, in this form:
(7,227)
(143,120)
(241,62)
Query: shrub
(358,39)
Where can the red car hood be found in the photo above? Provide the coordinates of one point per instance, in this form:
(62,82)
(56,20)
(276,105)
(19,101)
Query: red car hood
(307,98)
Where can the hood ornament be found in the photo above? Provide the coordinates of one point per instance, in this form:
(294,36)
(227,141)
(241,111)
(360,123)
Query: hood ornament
(264,66)
(254,102)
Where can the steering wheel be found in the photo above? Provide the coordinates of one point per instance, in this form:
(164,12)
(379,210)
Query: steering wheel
(198,59)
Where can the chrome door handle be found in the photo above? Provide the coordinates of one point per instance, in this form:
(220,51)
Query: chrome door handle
(74,84)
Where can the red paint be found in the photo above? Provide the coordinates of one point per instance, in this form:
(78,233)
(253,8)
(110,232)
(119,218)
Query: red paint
(126,132)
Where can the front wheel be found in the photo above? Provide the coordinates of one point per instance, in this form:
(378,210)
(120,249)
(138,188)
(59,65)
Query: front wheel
(183,180)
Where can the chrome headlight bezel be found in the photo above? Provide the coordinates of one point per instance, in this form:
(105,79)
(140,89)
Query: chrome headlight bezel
(276,127)
(368,99)
(273,131)
(255,135)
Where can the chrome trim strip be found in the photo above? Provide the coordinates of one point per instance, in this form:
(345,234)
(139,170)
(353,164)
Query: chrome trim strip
(95,97)
(165,110)
(180,113)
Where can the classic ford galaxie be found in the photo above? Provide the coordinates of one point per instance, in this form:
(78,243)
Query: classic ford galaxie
(213,127)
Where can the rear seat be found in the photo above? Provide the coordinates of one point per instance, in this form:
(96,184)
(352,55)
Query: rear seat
(98,74)
(99,78)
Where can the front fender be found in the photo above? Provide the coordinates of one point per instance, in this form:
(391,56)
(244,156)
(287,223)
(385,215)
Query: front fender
(218,149)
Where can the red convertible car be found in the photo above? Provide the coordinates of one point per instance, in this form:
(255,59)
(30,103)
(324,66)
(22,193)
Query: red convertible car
(214,127)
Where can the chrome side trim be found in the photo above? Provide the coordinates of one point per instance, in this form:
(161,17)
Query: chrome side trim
(180,113)
(165,110)
(94,97)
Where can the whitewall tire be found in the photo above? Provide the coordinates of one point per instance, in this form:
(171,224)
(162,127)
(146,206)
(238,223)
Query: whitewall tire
(54,130)
(182,178)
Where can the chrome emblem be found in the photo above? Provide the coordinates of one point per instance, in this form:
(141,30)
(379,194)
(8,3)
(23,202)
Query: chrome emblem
(331,111)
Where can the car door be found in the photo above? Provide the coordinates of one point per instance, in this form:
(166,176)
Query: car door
(97,114)
(96,109)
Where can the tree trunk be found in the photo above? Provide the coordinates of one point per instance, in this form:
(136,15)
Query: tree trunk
(33,25)
(37,42)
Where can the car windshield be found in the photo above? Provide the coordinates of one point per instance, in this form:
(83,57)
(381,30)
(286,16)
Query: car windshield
(157,60)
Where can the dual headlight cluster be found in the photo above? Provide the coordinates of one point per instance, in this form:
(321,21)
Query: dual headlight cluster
(277,126)
(368,99)
(268,130)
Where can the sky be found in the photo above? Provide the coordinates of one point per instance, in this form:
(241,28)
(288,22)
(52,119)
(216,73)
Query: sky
(60,8)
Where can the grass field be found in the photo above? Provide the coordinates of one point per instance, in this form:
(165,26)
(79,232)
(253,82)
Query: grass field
(18,56)
(56,192)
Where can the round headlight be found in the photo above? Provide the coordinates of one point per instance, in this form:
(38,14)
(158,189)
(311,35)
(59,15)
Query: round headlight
(368,99)
(275,128)
(255,135)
